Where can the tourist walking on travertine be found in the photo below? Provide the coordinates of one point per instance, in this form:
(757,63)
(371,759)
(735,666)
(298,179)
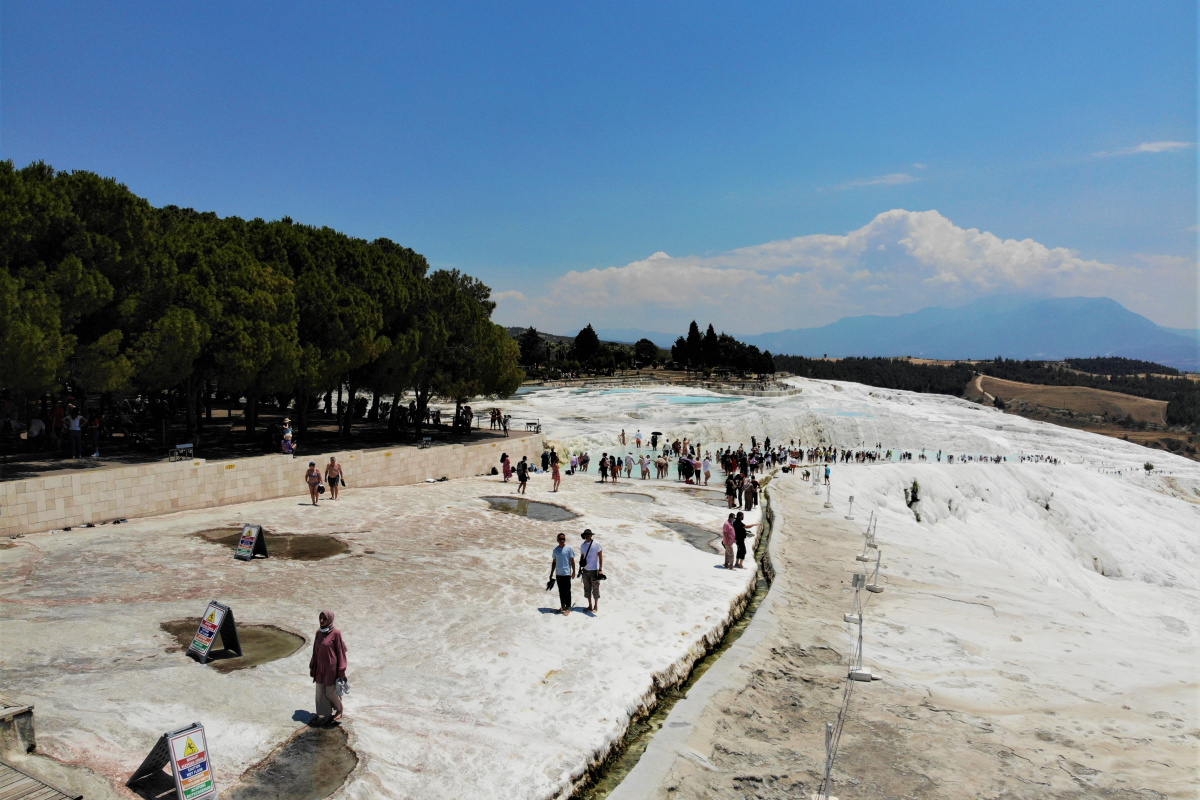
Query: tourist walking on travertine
(506,467)
(645,464)
(622,436)
(313,478)
(327,668)
(603,468)
(706,465)
(555,474)
(591,569)
(730,491)
(637,437)
(751,494)
(522,475)
(629,465)
(728,537)
(614,467)
(826,474)
(334,476)
(562,570)
(739,535)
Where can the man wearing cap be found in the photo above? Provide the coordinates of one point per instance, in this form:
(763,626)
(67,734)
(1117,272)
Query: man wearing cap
(591,568)
(562,570)
(313,478)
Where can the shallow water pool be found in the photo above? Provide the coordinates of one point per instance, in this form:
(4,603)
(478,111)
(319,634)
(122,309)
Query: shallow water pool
(544,512)
(697,537)
(692,400)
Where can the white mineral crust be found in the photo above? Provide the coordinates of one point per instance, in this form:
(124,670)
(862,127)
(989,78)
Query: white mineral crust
(464,685)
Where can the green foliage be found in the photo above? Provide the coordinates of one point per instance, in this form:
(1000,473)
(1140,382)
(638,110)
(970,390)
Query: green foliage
(645,351)
(1148,467)
(587,345)
(533,348)
(888,373)
(1113,365)
(1182,394)
(103,291)
(711,351)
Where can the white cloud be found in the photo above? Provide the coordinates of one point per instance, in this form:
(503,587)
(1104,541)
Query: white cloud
(1145,147)
(919,165)
(901,261)
(893,179)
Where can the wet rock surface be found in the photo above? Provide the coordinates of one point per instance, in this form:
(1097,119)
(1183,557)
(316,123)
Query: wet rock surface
(309,766)
(307,547)
(261,644)
(636,497)
(533,509)
(697,537)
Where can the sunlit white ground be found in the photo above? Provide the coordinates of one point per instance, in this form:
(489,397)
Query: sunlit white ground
(1056,605)
(464,684)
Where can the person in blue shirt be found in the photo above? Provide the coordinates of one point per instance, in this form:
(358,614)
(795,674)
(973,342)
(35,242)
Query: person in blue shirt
(562,570)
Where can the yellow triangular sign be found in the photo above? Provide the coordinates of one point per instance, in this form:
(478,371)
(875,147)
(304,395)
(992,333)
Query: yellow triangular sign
(212,616)
(190,749)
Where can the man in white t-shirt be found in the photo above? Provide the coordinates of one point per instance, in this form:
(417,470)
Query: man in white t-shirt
(562,570)
(591,568)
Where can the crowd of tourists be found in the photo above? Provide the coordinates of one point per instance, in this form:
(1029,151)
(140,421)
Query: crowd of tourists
(64,430)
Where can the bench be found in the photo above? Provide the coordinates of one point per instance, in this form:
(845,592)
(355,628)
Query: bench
(425,442)
(180,451)
(536,427)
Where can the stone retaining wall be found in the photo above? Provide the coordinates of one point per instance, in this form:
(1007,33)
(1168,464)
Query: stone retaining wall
(69,499)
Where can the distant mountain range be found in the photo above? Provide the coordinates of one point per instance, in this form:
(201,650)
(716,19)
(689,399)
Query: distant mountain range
(1020,328)
(1013,327)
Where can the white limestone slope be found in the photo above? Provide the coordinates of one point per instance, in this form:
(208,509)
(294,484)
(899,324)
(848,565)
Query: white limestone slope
(1055,607)
(464,687)
(464,683)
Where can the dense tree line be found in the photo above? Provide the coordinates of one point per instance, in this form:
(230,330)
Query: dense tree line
(586,353)
(101,292)
(713,351)
(1114,365)
(887,373)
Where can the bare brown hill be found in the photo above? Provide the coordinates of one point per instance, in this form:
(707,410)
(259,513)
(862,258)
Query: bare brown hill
(1080,400)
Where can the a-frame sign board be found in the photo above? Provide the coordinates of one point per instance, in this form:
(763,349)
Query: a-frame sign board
(186,750)
(217,619)
(253,543)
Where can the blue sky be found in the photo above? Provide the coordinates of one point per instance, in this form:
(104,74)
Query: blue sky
(552,149)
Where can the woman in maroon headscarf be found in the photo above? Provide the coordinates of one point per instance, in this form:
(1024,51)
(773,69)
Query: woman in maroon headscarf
(327,667)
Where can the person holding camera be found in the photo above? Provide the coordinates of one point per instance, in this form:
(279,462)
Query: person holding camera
(591,569)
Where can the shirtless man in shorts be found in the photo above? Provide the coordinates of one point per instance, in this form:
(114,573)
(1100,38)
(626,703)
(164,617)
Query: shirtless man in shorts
(333,476)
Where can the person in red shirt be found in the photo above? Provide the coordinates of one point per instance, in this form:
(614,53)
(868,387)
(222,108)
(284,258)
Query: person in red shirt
(327,667)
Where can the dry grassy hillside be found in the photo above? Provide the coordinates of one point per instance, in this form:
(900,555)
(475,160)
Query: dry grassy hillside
(1089,409)
(1077,399)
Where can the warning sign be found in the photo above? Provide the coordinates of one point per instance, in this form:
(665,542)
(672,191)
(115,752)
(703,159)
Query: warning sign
(217,620)
(252,543)
(210,625)
(191,765)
